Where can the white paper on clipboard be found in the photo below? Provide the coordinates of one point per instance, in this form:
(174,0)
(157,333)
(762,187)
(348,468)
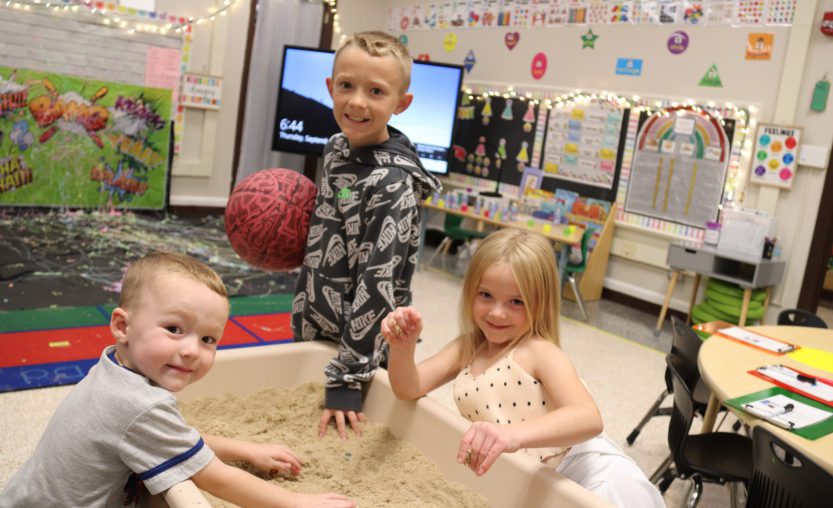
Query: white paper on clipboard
(786,412)
(750,337)
(789,377)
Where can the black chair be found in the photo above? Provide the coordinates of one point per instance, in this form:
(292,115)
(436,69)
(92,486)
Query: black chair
(800,317)
(687,344)
(783,477)
(724,458)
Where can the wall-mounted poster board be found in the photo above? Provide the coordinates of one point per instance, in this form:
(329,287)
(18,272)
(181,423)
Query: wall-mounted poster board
(680,164)
(200,91)
(776,155)
(75,142)
(495,138)
(583,147)
(582,143)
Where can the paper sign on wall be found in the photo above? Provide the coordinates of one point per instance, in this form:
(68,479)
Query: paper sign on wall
(200,91)
(759,46)
(776,155)
(629,66)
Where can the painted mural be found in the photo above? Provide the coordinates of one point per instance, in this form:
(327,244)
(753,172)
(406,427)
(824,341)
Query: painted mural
(67,141)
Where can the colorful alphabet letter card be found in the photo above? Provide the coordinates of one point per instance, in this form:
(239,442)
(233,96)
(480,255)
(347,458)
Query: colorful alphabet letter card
(776,155)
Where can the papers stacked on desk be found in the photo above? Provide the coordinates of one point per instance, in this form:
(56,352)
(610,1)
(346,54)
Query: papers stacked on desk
(757,340)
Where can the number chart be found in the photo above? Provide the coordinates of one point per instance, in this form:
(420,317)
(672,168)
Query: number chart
(776,156)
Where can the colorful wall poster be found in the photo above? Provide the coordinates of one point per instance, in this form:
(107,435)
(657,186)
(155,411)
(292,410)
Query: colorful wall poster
(679,167)
(204,92)
(759,46)
(776,155)
(73,142)
(495,138)
(582,143)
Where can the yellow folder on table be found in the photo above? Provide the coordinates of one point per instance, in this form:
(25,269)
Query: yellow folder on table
(813,357)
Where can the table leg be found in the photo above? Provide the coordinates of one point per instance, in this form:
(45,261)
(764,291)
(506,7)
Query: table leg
(697,277)
(766,302)
(671,285)
(747,296)
(711,415)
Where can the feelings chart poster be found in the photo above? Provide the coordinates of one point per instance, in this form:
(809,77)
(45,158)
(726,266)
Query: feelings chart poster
(582,143)
(776,156)
(679,168)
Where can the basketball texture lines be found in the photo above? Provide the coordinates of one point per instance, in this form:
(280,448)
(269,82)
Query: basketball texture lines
(268,218)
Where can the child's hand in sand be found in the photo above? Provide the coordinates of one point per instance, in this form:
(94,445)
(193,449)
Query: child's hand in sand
(322,500)
(483,443)
(402,327)
(273,458)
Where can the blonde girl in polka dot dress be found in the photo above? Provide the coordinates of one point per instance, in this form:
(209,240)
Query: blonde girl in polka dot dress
(511,379)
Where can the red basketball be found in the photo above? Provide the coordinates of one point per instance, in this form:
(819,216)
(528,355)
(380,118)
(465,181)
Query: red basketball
(267,218)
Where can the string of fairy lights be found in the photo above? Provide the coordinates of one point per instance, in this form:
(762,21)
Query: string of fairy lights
(129,19)
(332,8)
(137,20)
(744,116)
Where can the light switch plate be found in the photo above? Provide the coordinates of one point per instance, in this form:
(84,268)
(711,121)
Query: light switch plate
(813,156)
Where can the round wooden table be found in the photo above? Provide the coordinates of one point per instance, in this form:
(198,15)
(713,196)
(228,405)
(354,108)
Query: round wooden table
(725,365)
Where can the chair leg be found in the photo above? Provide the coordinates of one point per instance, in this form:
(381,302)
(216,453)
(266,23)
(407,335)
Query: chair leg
(576,292)
(663,470)
(465,251)
(444,245)
(733,494)
(652,412)
(696,492)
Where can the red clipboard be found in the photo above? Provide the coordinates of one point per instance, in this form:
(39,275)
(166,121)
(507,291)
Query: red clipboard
(828,382)
(795,347)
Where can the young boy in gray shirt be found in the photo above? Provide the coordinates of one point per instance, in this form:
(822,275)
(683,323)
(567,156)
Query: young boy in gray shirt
(120,428)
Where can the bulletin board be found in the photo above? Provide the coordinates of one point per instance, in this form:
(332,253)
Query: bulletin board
(495,138)
(583,147)
(680,164)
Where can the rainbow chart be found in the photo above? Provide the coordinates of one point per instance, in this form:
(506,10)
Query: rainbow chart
(679,167)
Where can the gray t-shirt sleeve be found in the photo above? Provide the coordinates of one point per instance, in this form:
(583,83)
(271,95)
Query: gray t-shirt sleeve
(162,448)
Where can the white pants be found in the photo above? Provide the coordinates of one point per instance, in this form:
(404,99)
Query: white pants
(601,467)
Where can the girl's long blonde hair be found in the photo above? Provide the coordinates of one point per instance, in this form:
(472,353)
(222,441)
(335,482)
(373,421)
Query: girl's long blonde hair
(532,260)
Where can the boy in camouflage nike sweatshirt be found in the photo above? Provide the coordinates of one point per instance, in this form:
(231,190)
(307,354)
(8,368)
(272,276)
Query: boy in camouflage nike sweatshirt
(364,233)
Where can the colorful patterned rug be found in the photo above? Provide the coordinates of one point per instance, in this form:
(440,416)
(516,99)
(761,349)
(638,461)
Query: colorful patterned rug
(57,346)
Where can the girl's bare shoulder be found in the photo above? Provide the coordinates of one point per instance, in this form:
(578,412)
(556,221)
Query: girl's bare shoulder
(534,349)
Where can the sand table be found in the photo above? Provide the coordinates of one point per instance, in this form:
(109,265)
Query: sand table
(374,470)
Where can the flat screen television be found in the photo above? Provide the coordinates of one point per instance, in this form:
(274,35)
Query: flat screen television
(304,120)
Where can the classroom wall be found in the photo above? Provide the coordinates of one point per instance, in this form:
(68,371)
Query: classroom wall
(201,173)
(778,88)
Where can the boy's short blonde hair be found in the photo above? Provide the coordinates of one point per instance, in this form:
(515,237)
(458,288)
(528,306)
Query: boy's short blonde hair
(143,272)
(380,44)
